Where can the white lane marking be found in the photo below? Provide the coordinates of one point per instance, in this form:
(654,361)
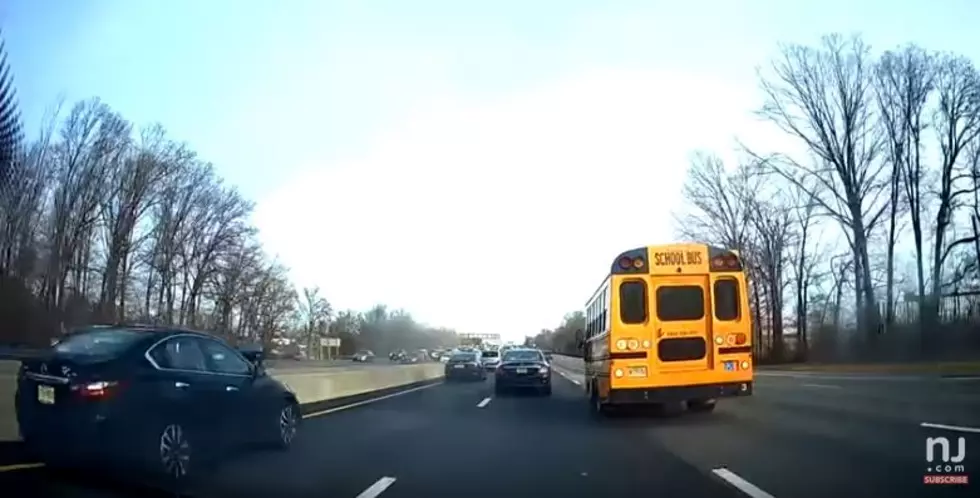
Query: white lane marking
(568,377)
(857,377)
(962,379)
(741,484)
(958,428)
(377,488)
(485,402)
(367,401)
(821,386)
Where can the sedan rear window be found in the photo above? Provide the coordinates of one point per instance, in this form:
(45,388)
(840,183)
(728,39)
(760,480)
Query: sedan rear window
(523,356)
(463,357)
(99,342)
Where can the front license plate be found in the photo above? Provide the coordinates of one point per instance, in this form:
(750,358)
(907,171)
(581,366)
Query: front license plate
(45,395)
(729,366)
(522,370)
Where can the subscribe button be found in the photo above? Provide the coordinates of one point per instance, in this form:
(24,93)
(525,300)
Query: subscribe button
(946,479)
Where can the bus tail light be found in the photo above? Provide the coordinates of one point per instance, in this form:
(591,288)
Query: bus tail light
(719,340)
(745,365)
(627,262)
(630,344)
(740,339)
(726,262)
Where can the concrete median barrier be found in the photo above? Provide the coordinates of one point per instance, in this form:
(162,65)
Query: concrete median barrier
(570,363)
(316,389)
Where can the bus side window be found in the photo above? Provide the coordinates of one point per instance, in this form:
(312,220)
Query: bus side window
(633,301)
(726,299)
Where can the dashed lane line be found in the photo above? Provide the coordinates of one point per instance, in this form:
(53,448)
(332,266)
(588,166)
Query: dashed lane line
(737,482)
(374,490)
(484,403)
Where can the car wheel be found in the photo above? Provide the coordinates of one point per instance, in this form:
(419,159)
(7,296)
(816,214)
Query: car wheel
(288,419)
(175,452)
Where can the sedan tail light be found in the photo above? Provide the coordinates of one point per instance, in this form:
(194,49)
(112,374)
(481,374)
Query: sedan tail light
(99,390)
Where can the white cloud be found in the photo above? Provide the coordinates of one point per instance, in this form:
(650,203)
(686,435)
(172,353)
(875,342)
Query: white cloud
(500,216)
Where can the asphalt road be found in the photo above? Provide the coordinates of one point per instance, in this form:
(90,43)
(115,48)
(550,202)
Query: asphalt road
(799,436)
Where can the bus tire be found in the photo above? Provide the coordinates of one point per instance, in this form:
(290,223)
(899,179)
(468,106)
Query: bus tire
(596,406)
(701,405)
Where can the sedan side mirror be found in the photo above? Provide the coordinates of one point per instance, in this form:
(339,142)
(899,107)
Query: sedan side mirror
(253,354)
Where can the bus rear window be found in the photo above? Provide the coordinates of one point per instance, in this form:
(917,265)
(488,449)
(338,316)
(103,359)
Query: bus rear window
(633,301)
(680,302)
(726,299)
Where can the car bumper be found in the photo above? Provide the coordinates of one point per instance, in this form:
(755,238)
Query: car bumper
(464,373)
(529,381)
(679,393)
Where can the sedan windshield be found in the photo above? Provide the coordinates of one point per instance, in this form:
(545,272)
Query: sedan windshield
(523,356)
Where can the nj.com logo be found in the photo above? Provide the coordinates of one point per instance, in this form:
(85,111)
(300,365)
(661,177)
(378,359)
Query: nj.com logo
(949,467)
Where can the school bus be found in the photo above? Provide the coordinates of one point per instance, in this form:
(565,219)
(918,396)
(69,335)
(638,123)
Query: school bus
(669,323)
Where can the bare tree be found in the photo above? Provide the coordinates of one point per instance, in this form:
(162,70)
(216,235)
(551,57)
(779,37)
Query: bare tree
(822,96)
(316,313)
(722,203)
(957,124)
(904,80)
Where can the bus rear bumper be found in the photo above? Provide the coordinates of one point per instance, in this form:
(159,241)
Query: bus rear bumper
(634,396)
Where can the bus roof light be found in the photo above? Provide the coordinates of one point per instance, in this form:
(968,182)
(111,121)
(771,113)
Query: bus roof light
(638,263)
(625,262)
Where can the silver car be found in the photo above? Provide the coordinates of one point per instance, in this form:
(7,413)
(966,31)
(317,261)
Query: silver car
(490,359)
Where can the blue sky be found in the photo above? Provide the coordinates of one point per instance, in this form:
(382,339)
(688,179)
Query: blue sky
(422,133)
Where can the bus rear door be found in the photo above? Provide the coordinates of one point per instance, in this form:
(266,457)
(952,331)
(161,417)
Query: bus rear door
(682,322)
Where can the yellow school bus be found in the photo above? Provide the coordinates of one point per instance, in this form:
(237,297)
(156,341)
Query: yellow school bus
(669,323)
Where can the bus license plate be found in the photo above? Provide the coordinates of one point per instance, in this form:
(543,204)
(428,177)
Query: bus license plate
(45,395)
(730,366)
(522,370)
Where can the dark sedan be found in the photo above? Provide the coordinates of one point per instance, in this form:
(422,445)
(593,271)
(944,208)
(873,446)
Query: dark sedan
(161,403)
(523,369)
(465,365)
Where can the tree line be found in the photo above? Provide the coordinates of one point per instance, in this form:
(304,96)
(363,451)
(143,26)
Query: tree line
(104,221)
(863,242)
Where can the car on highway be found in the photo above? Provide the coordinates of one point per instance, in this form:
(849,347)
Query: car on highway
(159,401)
(490,359)
(412,358)
(523,369)
(465,365)
(363,356)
